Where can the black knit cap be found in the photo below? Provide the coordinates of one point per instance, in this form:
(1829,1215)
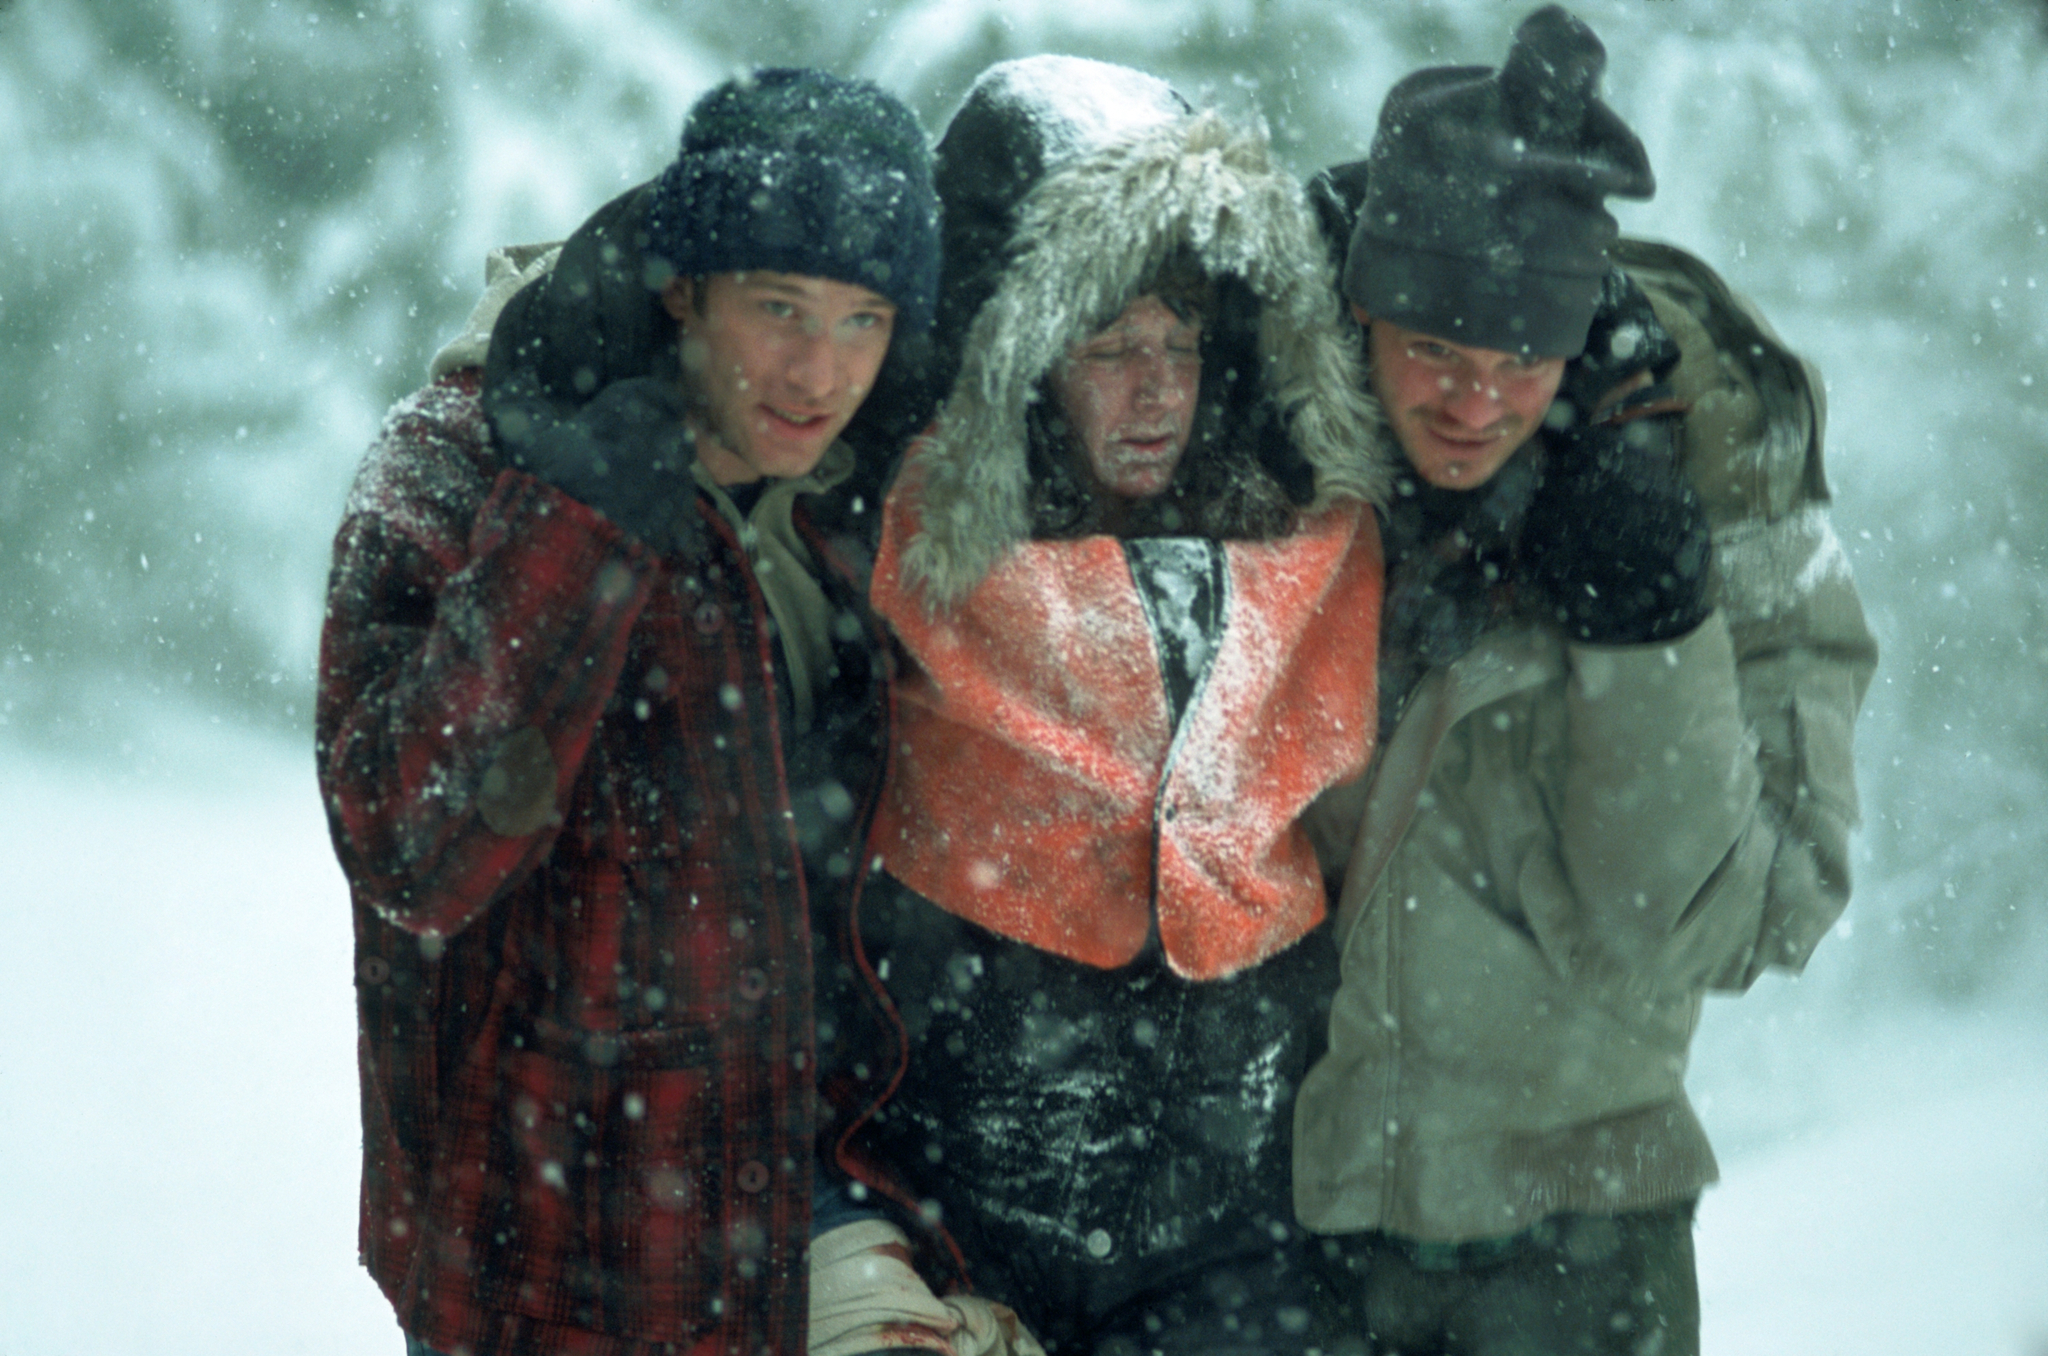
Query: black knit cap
(1483,221)
(798,171)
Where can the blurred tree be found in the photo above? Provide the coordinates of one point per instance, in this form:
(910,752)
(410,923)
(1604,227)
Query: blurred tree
(232,231)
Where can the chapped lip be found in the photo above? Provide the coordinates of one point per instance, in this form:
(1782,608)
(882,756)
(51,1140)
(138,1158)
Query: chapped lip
(1147,442)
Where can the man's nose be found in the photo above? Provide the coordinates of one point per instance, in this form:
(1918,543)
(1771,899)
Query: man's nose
(1159,379)
(813,369)
(1472,401)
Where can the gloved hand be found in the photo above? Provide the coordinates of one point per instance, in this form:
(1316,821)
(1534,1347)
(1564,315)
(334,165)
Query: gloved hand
(1616,536)
(866,1297)
(1627,348)
(627,454)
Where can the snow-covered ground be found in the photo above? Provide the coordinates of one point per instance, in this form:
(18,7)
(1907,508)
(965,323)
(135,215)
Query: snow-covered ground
(178,1124)
(1884,1182)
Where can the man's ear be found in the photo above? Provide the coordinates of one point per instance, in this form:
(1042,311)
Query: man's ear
(678,298)
(1358,314)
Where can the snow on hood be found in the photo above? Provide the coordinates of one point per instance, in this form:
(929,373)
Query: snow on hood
(1079,106)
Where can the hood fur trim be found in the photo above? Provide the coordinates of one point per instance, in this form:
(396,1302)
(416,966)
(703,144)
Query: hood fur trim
(1087,236)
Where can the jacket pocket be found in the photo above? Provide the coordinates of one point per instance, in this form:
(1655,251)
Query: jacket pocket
(607,1203)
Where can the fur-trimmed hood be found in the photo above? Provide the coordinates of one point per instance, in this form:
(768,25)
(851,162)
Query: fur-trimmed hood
(1088,234)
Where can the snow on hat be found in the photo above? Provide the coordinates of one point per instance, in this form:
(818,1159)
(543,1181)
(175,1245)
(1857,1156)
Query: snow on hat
(1483,221)
(798,171)
(1024,119)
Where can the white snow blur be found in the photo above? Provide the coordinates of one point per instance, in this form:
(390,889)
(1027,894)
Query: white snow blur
(232,231)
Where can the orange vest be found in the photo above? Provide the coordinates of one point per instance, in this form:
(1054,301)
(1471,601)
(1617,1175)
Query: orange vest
(1035,785)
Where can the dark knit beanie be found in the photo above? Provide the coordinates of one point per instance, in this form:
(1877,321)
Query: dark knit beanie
(1483,221)
(798,171)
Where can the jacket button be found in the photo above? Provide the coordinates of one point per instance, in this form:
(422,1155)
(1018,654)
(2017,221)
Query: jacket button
(709,617)
(753,1177)
(375,969)
(753,985)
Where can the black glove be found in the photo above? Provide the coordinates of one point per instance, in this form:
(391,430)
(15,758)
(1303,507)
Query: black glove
(1616,537)
(1624,340)
(627,454)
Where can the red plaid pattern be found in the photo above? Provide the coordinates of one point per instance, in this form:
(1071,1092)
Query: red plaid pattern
(586,1050)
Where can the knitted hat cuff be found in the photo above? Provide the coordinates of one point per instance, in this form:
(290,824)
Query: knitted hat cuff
(1484,218)
(1539,312)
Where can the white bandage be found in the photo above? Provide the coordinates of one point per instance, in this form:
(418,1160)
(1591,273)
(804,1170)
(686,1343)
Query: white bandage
(865,1296)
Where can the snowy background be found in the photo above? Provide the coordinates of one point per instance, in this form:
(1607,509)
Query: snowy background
(231,232)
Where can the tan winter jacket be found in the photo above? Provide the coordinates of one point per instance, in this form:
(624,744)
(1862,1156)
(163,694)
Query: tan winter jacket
(1560,848)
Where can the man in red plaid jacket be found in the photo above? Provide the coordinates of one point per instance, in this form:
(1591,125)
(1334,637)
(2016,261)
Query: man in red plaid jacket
(598,722)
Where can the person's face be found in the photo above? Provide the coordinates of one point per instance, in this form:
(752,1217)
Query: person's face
(778,363)
(1460,412)
(1128,393)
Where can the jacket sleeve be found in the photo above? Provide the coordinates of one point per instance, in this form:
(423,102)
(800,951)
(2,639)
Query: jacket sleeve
(1754,432)
(1743,741)
(1661,845)
(476,624)
(1804,658)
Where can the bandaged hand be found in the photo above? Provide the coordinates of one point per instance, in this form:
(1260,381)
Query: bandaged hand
(866,1297)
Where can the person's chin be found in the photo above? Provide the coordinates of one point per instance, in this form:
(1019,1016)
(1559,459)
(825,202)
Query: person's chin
(1143,480)
(1454,464)
(785,449)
